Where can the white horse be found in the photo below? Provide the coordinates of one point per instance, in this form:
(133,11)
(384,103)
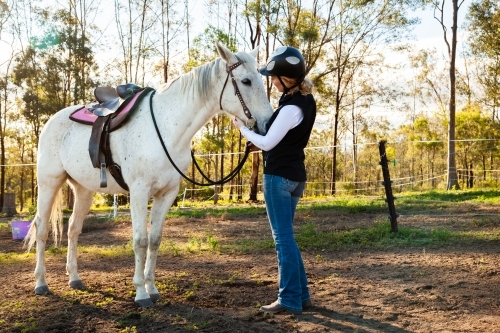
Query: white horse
(180,109)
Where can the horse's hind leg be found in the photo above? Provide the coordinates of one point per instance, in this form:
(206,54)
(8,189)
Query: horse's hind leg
(161,205)
(47,193)
(83,201)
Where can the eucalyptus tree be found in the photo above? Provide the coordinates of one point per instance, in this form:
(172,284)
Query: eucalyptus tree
(318,163)
(16,23)
(336,38)
(134,22)
(479,144)
(170,29)
(424,148)
(23,155)
(5,103)
(432,87)
(56,68)
(359,30)
(439,14)
(483,25)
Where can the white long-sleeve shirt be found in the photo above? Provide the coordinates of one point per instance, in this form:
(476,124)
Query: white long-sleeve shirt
(289,117)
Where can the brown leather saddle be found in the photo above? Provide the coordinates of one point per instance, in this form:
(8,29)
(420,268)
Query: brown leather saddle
(111,110)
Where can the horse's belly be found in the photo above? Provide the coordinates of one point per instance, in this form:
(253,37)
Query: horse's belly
(75,158)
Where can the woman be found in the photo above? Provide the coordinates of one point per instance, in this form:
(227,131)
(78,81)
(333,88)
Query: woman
(288,132)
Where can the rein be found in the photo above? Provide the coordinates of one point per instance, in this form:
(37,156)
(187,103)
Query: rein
(224,180)
(229,70)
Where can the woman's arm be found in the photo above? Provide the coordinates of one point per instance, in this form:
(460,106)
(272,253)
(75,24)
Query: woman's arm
(289,117)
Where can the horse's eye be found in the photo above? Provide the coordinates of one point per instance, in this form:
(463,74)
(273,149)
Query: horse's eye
(246,82)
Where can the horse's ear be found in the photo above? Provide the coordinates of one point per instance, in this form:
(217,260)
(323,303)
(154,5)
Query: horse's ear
(255,52)
(226,54)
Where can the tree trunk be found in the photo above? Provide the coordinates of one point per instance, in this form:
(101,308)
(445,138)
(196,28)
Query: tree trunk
(9,204)
(254,179)
(334,157)
(452,182)
(470,184)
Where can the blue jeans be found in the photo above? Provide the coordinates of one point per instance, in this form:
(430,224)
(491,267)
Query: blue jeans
(281,196)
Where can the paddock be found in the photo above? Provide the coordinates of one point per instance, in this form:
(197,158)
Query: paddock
(214,271)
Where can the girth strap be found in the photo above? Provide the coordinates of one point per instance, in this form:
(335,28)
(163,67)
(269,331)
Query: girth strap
(100,152)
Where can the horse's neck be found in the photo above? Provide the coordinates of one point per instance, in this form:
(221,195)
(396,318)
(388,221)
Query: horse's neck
(188,111)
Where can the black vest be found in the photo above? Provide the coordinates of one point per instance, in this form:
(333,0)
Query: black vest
(287,158)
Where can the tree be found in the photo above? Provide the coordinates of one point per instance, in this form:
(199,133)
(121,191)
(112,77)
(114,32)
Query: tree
(424,146)
(133,35)
(483,25)
(5,103)
(481,133)
(359,28)
(170,28)
(452,179)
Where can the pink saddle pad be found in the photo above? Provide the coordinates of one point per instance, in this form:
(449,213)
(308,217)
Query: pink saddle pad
(84,116)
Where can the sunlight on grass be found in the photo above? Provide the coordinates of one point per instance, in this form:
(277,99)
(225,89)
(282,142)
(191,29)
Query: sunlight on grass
(380,235)
(108,251)
(12,258)
(309,235)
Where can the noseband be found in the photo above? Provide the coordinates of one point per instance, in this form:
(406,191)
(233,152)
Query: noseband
(229,70)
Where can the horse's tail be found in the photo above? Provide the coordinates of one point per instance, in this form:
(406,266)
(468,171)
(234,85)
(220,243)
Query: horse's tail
(56,221)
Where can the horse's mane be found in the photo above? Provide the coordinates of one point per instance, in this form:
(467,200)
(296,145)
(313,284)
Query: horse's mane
(197,82)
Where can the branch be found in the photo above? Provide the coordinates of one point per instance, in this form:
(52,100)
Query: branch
(441,22)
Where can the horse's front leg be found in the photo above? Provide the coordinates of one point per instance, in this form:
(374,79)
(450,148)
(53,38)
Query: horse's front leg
(138,209)
(83,201)
(161,205)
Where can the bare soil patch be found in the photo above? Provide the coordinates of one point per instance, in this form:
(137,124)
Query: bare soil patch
(448,288)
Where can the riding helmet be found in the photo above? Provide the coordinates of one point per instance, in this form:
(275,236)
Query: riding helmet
(285,61)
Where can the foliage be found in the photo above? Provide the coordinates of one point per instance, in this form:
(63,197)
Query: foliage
(484,25)
(60,59)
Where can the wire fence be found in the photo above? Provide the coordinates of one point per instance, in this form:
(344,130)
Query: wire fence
(321,186)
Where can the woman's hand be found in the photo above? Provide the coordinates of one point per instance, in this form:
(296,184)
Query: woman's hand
(238,122)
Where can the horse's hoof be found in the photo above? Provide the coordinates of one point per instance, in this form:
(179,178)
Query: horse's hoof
(43,290)
(78,284)
(145,303)
(154,297)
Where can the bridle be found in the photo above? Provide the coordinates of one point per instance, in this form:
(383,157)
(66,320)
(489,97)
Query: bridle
(229,70)
(250,123)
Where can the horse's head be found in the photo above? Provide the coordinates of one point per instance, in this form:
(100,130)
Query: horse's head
(245,97)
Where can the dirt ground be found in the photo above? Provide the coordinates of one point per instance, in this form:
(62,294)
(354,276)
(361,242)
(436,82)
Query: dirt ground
(446,288)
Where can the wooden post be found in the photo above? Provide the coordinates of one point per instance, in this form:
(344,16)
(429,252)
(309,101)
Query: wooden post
(387,186)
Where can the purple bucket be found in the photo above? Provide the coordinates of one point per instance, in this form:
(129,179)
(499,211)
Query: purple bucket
(20,229)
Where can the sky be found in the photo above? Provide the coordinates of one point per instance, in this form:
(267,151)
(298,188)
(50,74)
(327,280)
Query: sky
(429,31)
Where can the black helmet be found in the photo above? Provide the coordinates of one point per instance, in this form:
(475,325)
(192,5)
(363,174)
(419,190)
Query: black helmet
(285,61)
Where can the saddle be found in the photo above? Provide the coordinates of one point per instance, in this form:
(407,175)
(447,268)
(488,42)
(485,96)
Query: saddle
(111,110)
(109,99)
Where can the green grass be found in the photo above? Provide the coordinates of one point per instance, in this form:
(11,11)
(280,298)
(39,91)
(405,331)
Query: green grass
(309,236)
(214,211)
(435,200)
(379,235)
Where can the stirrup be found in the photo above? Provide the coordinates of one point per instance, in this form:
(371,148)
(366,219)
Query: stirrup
(104,182)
